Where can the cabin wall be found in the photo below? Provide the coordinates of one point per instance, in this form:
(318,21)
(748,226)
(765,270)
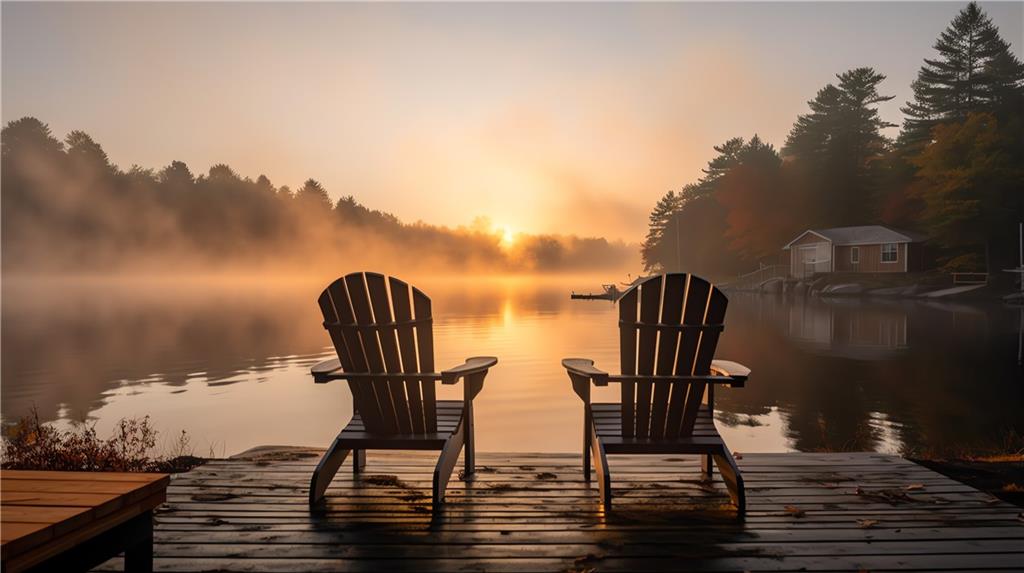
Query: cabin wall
(871,260)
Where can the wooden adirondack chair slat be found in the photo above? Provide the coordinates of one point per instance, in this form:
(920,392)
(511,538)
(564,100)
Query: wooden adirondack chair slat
(360,299)
(627,359)
(380,302)
(425,344)
(407,345)
(363,396)
(650,302)
(668,343)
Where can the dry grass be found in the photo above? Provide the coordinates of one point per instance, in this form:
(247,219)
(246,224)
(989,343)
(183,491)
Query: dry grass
(32,445)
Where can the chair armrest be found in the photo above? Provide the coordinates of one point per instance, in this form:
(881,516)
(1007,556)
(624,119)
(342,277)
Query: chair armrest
(585,367)
(326,371)
(472,365)
(738,372)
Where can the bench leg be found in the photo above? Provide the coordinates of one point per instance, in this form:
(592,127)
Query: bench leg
(138,558)
(325,470)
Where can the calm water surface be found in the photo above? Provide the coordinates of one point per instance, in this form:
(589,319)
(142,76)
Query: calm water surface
(228,362)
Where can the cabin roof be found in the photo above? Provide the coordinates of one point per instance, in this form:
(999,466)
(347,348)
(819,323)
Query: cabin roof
(861,235)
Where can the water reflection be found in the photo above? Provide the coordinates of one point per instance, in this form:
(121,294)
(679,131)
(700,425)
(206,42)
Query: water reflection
(845,328)
(228,361)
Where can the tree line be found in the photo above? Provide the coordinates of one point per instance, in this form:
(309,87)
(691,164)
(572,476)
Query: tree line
(955,172)
(68,208)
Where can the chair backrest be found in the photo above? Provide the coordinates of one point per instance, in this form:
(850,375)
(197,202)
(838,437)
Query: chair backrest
(668,326)
(379,325)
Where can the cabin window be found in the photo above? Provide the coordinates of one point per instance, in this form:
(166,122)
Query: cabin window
(854,255)
(890,253)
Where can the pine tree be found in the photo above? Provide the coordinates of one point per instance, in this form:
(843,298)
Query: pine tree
(975,71)
(313,194)
(839,144)
(657,221)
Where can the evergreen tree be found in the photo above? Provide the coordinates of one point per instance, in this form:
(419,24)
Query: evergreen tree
(975,71)
(313,194)
(971,190)
(729,155)
(657,221)
(840,144)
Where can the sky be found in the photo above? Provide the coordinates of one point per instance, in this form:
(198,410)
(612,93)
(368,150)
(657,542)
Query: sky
(569,118)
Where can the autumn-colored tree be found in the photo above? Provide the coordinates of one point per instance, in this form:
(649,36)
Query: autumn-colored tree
(971,179)
(761,211)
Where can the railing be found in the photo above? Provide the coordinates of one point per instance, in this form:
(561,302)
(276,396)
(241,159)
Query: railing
(970,278)
(754,278)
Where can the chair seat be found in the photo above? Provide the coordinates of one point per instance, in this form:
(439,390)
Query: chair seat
(608,428)
(449,416)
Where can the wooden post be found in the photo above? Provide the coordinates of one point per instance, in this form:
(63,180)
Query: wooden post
(138,558)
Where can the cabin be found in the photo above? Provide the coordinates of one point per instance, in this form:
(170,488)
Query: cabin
(863,249)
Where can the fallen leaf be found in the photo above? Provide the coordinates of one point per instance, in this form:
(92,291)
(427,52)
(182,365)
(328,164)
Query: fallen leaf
(546,475)
(867,523)
(913,487)
(795,511)
(737,455)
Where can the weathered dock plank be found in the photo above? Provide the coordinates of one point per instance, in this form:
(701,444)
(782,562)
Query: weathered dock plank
(535,512)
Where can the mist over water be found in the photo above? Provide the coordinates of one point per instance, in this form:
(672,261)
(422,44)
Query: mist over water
(227,360)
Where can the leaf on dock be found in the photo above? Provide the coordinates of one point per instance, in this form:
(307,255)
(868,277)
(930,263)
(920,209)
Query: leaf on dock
(546,476)
(867,523)
(890,496)
(913,487)
(794,511)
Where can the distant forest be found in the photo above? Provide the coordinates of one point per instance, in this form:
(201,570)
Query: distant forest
(67,208)
(955,172)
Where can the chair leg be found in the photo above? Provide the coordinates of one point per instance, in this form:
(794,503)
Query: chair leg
(604,478)
(733,479)
(446,464)
(358,461)
(586,444)
(325,470)
(470,460)
(706,467)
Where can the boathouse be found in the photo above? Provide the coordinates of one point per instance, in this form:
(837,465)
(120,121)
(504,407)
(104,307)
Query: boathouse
(863,249)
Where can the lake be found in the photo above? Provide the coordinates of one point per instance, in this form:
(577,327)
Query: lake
(227,361)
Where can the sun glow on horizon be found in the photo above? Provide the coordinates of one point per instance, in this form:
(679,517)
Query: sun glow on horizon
(508,237)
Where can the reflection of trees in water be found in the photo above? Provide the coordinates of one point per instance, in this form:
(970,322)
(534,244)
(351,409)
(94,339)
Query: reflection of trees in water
(68,346)
(947,380)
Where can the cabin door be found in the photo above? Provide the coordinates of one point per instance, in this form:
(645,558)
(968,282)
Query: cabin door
(811,259)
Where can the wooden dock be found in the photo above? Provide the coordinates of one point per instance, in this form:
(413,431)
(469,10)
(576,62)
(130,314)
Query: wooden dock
(534,512)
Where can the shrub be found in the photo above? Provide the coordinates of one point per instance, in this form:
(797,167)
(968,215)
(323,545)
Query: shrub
(32,445)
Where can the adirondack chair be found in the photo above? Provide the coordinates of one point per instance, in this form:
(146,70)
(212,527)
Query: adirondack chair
(667,381)
(385,345)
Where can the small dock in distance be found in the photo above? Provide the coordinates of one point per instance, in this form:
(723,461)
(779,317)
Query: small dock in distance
(535,513)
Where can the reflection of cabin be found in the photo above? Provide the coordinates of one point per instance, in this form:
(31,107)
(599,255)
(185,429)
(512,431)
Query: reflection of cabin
(865,249)
(857,333)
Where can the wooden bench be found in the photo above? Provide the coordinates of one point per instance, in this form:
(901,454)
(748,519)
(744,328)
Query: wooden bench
(73,521)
